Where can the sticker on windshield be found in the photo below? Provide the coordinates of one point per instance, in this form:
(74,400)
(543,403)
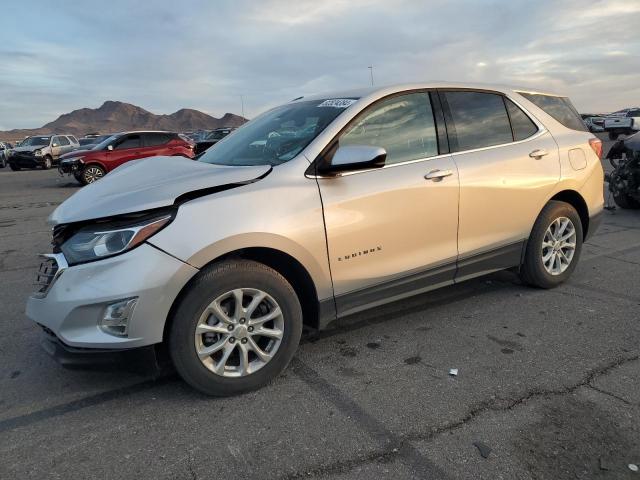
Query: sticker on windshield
(338,102)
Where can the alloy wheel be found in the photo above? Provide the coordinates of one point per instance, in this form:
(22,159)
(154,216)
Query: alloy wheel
(558,246)
(92,174)
(239,332)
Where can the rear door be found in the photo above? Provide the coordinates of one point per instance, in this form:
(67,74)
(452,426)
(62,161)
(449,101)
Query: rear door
(155,143)
(508,165)
(391,231)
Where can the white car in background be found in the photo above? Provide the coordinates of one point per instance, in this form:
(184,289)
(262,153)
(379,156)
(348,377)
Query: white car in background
(625,121)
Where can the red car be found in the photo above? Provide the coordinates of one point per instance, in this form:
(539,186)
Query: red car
(87,166)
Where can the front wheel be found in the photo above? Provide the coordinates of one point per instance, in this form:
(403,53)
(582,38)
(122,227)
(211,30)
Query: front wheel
(554,247)
(14,167)
(92,173)
(237,327)
(47,163)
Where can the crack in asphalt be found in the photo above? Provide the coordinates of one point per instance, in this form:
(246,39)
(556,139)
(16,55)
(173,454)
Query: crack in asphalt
(497,405)
(375,428)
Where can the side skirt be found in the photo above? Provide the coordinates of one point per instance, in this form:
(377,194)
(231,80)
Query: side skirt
(467,268)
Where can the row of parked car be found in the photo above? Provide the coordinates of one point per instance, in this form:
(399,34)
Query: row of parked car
(622,122)
(90,158)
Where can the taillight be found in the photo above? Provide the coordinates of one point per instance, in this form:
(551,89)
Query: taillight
(596,146)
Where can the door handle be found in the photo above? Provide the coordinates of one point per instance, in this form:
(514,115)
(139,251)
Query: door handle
(437,175)
(538,154)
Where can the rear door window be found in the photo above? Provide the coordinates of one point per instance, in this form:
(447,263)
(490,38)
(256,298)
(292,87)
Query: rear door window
(522,126)
(560,108)
(154,139)
(476,120)
(130,141)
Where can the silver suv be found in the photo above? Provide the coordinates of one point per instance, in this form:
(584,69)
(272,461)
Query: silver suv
(319,208)
(41,151)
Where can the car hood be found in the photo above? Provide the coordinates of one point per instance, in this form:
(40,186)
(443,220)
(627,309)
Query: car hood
(75,153)
(27,149)
(150,183)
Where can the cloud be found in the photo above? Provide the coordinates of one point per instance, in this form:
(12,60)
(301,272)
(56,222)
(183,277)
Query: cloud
(205,55)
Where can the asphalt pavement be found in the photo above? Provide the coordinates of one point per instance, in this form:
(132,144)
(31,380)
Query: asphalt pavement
(548,382)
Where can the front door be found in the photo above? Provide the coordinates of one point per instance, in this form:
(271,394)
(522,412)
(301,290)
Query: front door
(126,148)
(391,232)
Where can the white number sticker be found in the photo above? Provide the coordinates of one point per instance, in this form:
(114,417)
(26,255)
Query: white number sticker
(338,102)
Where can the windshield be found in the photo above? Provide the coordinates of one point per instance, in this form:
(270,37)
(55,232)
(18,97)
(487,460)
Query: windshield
(276,136)
(106,142)
(216,135)
(35,141)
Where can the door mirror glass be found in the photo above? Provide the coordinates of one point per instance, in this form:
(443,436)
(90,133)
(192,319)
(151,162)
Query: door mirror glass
(110,147)
(54,144)
(356,157)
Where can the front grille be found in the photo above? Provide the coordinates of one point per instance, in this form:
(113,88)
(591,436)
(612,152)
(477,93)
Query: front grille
(46,273)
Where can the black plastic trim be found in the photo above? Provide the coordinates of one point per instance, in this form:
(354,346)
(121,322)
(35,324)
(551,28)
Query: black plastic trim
(493,260)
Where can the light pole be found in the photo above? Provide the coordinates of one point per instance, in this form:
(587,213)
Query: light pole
(242,104)
(370,67)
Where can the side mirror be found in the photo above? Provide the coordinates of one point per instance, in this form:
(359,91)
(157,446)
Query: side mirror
(355,157)
(110,147)
(54,145)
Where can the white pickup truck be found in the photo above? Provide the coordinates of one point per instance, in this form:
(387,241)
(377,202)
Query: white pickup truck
(625,121)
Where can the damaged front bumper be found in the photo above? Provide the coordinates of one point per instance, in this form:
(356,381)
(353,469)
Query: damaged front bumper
(71,166)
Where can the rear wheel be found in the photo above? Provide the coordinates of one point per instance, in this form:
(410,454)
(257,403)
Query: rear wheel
(92,173)
(237,328)
(554,247)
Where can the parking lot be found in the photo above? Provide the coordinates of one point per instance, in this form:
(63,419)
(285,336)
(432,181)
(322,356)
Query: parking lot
(548,380)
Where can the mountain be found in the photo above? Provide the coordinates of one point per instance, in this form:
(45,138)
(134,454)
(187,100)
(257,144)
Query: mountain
(114,117)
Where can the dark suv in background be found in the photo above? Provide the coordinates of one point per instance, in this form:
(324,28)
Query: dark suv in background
(87,166)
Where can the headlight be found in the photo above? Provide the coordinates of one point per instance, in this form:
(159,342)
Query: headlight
(37,153)
(95,242)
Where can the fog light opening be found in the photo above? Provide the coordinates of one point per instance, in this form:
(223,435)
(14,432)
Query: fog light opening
(115,320)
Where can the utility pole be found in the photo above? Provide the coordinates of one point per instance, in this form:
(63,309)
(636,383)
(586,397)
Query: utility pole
(370,67)
(242,104)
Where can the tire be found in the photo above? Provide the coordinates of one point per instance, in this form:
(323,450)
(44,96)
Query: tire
(533,271)
(48,163)
(626,202)
(14,167)
(92,173)
(222,280)
(613,135)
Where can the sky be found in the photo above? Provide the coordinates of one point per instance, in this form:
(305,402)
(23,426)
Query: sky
(165,55)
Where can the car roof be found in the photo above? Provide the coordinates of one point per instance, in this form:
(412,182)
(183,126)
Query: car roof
(390,89)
